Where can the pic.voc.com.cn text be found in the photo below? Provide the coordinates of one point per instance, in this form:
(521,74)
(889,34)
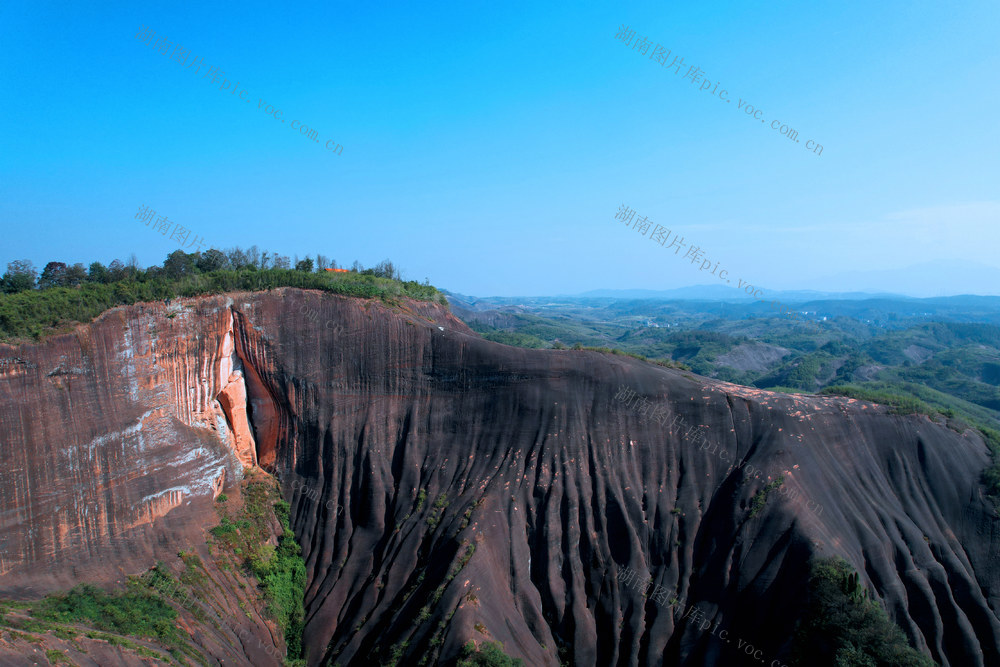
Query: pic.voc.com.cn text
(661,235)
(662,55)
(181,55)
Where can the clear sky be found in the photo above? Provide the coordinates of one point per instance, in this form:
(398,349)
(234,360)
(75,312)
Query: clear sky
(488,146)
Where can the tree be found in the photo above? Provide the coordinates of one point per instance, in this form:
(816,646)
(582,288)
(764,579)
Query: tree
(53,275)
(843,626)
(212,260)
(280,262)
(75,275)
(20,276)
(179,264)
(386,269)
(117,271)
(97,273)
(253,256)
(322,263)
(238,259)
(305,265)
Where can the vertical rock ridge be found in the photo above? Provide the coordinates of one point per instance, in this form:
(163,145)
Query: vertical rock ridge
(233,400)
(268,420)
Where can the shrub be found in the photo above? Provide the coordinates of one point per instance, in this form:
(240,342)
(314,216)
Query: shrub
(57,657)
(280,571)
(490,654)
(439,506)
(843,626)
(193,568)
(131,613)
(759,498)
(261,560)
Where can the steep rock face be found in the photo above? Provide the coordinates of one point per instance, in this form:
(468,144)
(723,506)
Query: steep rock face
(109,437)
(446,488)
(561,485)
(115,441)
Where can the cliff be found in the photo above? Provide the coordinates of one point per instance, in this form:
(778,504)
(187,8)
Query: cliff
(445,488)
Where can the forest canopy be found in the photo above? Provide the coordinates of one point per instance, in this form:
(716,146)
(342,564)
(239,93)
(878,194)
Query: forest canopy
(32,305)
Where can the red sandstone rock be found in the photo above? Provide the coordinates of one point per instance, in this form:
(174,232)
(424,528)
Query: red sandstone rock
(233,399)
(114,440)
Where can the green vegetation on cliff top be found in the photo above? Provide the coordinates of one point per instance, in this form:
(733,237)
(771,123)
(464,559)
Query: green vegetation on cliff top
(66,297)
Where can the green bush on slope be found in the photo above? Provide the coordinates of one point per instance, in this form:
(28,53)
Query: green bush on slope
(133,614)
(490,654)
(844,627)
(280,571)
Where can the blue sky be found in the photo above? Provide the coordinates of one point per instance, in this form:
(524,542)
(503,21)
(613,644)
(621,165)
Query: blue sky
(487,147)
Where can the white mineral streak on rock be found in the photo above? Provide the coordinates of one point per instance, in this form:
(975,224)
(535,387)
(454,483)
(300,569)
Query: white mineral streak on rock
(121,435)
(176,491)
(128,362)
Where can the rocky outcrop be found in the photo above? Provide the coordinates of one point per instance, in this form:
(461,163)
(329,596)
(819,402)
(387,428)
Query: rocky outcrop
(110,437)
(445,488)
(233,400)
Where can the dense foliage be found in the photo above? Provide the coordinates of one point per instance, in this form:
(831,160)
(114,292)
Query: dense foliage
(280,571)
(283,579)
(844,627)
(134,614)
(490,654)
(63,297)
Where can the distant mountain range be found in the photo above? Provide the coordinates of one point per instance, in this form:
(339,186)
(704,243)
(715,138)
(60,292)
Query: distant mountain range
(942,278)
(928,279)
(720,294)
(726,293)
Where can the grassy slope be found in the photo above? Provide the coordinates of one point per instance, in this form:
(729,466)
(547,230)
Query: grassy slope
(161,611)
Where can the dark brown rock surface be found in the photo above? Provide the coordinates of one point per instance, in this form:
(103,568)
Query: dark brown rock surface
(445,488)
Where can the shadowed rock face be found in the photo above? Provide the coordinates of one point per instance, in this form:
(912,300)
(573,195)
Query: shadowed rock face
(445,488)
